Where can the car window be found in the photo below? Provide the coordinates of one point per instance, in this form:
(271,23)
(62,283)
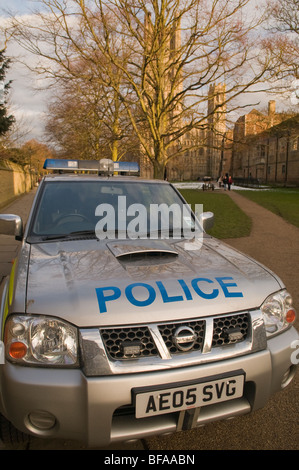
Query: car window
(77,206)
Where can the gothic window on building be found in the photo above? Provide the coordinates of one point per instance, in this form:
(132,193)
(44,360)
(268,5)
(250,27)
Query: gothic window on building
(294,145)
(282,144)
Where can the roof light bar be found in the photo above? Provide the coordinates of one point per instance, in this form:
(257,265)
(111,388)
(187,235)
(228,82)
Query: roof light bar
(53,164)
(103,166)
(126,167)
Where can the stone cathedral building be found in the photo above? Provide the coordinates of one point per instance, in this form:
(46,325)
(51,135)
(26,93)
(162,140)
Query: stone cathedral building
(261,147)
(266,148)
(202,149)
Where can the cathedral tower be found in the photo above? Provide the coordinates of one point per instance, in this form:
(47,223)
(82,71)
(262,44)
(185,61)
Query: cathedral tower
(216,127)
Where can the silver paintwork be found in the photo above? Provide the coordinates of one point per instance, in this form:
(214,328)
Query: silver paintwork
(75,269)
(85,406)
(206,219)
(121,248)
(96,361)
(60,277)
(11,224)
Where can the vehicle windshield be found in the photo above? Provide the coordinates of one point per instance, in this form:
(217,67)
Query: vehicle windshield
(110,209)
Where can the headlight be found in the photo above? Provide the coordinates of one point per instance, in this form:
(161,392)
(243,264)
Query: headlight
(40,341)
(278,312)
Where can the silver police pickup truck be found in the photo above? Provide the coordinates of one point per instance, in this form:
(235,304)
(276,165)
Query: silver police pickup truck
(122,318)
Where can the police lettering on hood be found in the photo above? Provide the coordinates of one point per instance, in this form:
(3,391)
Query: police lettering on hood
(142,294)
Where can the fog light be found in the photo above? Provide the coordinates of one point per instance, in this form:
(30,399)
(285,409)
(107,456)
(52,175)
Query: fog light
(131,348)
(288,377)
(42,420)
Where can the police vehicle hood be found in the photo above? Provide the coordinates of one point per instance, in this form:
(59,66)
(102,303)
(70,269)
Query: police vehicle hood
(97,283)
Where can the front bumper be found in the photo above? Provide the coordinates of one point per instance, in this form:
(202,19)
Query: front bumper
(98,410)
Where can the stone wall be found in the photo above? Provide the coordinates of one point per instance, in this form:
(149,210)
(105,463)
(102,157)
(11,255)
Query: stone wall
(271,156)
(14,180)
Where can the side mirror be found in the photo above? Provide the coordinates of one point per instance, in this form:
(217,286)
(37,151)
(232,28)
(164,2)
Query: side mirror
(11,225)
(206,219)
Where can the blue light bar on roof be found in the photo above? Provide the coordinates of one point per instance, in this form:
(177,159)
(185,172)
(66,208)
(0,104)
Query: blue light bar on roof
(126,167)
(103,166)
(53,164)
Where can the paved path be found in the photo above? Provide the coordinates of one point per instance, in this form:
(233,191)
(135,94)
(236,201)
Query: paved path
(274,243)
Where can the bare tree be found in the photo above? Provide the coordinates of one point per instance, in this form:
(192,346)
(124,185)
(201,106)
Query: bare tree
(285,13)
(283,41)
(165,53)
(180,49)
(86,113)
(89,125)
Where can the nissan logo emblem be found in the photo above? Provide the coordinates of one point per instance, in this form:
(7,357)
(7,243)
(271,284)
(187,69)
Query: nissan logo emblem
(184,338)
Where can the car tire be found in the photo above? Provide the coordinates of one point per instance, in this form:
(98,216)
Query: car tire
(11,437)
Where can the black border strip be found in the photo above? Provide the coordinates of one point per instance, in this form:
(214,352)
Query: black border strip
(137,390)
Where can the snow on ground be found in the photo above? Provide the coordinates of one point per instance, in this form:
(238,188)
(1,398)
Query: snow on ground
(198,185)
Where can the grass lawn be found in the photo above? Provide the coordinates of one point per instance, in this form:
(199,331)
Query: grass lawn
(230,221)
(283,202)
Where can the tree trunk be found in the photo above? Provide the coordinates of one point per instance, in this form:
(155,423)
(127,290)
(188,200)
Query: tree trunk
(114,150)
(159,160)
(159,170)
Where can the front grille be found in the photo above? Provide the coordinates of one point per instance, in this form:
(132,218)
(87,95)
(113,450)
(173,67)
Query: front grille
(115,338)
(168,332)
(227,330)
(224,325)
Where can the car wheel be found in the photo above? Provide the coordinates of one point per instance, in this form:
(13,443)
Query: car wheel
(11,437)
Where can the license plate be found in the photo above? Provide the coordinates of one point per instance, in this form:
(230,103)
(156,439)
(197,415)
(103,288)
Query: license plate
(183,396)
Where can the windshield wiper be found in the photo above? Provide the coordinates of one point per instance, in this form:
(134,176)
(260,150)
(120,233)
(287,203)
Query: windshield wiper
(55,237)
(66,236)
(83,233)
(172,233)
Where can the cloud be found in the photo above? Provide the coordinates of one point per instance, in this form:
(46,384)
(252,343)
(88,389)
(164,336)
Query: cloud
(19,7)
(28,95)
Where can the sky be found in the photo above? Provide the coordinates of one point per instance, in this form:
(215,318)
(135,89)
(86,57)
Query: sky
(25,103)
(28,105)
(17,6)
